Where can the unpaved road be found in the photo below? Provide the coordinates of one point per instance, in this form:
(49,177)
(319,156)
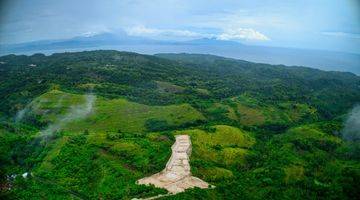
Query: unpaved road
(176,177)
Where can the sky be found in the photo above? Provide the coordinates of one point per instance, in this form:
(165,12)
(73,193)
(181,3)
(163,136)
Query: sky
(332,25)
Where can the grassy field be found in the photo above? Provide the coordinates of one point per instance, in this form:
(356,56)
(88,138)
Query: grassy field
(251,112)
(116,115)
(217,150)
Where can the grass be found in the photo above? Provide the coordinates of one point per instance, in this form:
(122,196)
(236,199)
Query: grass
(307,132)
(167,87)
(217,151)
(253,113)
(112,114)
(223,135)
(55,103)
(222,110)
(216,173)
(53,153)
(250,116)
(120,114)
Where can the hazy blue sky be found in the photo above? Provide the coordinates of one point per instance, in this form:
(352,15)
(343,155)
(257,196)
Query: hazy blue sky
(315,24)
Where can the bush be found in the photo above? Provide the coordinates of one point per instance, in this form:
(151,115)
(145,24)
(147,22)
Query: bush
(157,125)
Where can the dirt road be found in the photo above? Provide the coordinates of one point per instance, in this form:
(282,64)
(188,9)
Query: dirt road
(176,177)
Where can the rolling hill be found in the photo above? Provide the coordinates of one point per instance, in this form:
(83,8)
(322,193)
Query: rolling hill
(87,125)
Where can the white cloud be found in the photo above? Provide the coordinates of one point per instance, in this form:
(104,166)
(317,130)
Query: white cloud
(226,34)
(95,30)
(151,32)
(342,34)
(90,33)
(242,34)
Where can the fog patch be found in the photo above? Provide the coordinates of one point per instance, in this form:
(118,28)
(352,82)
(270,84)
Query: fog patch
(351,131)
(21,114)
(34,105)
(75,113)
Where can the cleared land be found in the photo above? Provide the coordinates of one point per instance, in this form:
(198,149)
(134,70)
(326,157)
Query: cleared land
(176,177)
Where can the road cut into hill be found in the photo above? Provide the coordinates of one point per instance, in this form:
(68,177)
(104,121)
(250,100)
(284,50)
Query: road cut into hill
(176,177)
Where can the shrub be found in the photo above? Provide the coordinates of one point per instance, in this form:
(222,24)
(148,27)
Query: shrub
(157,125)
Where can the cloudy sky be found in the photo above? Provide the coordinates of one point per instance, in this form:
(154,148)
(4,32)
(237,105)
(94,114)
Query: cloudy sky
(314,24)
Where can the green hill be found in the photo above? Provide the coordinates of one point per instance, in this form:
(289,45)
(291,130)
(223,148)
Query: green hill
(89,124)
(116,115)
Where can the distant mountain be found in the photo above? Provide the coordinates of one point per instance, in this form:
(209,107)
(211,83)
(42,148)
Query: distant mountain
(76,42)
(325,60)
(210,41)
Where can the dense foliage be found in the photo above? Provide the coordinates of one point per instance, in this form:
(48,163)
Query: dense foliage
(258,131)
(135,76)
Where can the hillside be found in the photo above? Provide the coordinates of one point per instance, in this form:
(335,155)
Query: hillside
(320,59)
(136,76)
(89,124)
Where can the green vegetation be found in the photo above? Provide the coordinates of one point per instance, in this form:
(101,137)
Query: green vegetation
(216,149)
(258,131)
(114,114)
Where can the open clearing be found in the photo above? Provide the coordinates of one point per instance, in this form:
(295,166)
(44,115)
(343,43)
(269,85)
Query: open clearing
(112,114)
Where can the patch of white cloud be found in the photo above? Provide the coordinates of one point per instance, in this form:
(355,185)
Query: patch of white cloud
(152,32)
(95,30)
(242,34)
(90,33)
(75,113)
(227,34)
(342,34)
